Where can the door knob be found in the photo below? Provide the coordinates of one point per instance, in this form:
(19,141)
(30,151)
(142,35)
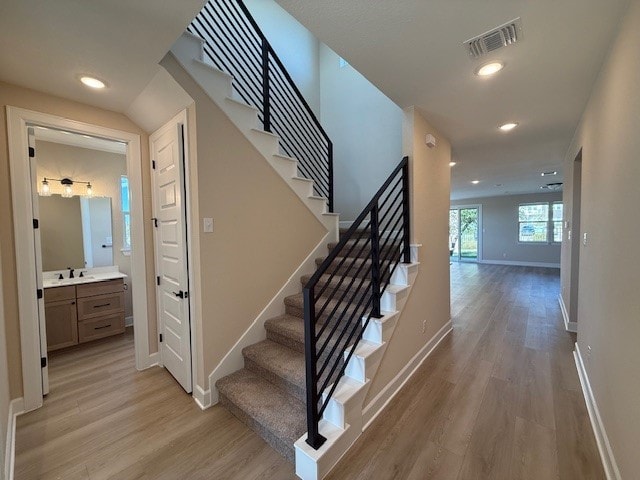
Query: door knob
(180,294)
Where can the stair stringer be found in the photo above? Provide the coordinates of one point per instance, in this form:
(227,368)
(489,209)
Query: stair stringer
(188,51)
(343,418)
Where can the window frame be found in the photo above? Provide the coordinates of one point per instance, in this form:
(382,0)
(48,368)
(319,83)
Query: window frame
(549,221)
(126,214)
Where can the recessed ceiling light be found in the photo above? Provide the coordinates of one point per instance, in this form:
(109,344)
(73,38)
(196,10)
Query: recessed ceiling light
(508,126)
(475,182)
(489,69)
(92,82)
(544,174)
(452,164)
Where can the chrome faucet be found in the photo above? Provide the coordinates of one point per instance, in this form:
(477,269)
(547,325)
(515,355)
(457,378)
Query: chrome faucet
(71,270)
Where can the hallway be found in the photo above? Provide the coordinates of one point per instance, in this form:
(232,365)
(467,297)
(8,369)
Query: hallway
(498,399)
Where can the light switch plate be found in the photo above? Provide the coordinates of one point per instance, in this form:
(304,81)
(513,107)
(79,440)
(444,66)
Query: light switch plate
(207,225)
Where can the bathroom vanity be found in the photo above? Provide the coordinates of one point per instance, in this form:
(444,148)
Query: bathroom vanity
(81,309)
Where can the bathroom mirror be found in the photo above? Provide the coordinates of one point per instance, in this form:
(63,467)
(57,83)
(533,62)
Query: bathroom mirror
(75,232)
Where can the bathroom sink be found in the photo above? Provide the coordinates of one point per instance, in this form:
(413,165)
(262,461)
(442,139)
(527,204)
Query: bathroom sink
(70,281)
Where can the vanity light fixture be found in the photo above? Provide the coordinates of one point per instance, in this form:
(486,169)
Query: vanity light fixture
(45,190)
(67,187)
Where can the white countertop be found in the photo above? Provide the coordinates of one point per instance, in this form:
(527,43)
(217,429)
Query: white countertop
(91,275)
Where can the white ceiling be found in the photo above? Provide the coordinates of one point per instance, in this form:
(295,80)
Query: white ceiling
(413,51)
(46,44)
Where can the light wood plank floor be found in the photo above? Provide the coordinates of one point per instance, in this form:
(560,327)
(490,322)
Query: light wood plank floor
(499,399)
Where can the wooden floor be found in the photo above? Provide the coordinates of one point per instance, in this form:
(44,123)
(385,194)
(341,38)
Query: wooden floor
(499,399)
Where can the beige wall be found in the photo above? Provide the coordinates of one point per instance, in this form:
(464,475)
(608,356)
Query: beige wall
(262,230)
(29,99)
(429,299)
(608,303)
(103,170)
(4,387)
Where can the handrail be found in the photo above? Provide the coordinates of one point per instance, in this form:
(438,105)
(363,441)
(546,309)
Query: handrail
(335,317)
(242,50)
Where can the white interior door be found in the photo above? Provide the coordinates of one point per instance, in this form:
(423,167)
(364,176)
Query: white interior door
(33,168)
(167,153)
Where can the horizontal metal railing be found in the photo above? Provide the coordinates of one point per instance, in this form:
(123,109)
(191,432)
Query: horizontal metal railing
(234,43)
(344,293)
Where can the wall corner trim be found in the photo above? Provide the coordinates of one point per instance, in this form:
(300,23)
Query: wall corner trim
(568,325)
(380,402)
(202,397)
(16,407)
(604,447)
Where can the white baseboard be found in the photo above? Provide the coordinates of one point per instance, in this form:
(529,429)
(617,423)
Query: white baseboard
(568,325)
(517,263)
(151,361)
(202,397)
(234,360)
(378,404)
(16,407)
(128,321)
(606,453)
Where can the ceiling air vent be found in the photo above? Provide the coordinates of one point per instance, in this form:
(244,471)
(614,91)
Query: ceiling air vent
(499,37)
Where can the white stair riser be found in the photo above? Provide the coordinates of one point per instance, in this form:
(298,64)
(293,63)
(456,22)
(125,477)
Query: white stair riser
(285,168)
(241,114)
(346,409)
(302,187)
(380,330)
(188,46)
(362,368)
(264,143)
(217,84)
(403,274)
(393,301)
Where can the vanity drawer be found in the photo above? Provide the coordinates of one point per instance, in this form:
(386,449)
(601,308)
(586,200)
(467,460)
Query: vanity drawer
(56,294)
(99,305)
(101,327)
(100,288)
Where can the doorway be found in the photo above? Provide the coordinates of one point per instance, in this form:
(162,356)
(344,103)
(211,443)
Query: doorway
(464,239)
(23,183)
(576,243)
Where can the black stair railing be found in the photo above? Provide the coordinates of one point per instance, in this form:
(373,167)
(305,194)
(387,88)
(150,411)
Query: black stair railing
(235,44)
(344,293)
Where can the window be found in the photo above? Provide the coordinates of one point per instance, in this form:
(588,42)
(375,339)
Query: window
(540,222)
(126,213)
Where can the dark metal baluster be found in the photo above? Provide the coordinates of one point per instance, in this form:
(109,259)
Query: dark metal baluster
(330,176)
(266,98)
(313,435)
(405,211)
(375,263)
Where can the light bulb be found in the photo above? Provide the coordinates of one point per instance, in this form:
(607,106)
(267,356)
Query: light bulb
(45,191)
(89,190)
(67,191)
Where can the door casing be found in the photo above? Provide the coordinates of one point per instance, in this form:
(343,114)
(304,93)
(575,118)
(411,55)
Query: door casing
(18,121)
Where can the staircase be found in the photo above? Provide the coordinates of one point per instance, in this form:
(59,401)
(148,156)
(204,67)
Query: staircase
(303,386)
(269,393)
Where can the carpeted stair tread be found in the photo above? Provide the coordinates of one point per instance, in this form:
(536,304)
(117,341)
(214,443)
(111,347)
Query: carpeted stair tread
(336,282)
(281,365)
(287,330)
(294,305)
(277,416)
(350,266)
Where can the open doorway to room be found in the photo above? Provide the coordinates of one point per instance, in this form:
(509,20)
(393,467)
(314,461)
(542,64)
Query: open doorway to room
(26,185)
(464,234)
(84,259)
